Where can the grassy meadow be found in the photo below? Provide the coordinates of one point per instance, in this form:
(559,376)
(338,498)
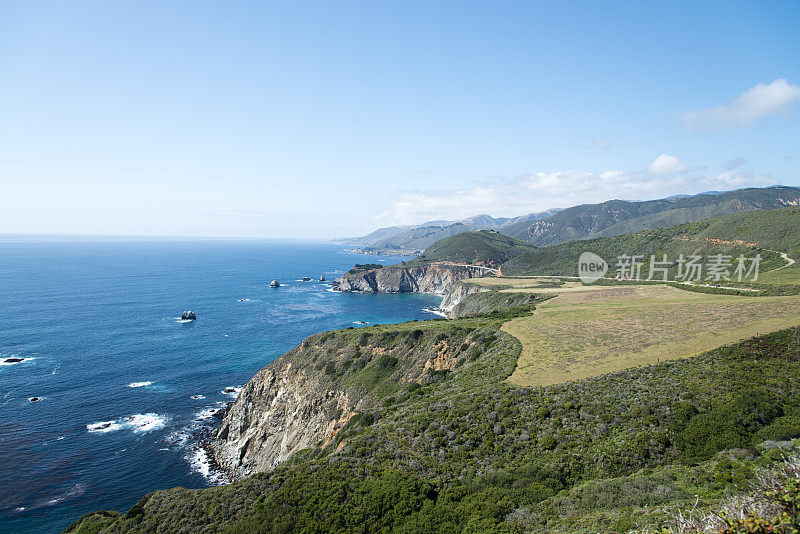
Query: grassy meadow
(587,331)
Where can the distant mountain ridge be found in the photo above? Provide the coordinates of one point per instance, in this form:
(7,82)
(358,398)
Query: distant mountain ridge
(618,217)
(587,221)
(419,237)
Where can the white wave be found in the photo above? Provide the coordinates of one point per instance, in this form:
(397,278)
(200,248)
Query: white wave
(139,384)
(145,422)
(201,464)
(140,422)
(75,491)
(197,397)
(206,414)
(184,320)
(435,312)
(188,438)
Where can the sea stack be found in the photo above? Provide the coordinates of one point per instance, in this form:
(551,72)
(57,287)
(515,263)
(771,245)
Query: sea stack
(188,316)
(274,283)
(322,278)
(306,279)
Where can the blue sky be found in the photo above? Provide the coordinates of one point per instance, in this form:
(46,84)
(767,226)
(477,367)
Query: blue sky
(302,119)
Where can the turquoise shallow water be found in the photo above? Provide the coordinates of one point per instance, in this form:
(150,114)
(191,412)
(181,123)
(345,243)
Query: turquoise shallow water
(96,326)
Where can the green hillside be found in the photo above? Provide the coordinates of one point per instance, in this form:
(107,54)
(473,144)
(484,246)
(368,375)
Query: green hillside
(484,247)
(617,217)
(744,233)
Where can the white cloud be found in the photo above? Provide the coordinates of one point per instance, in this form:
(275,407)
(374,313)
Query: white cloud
(544,190)
(666,164)
(776,98)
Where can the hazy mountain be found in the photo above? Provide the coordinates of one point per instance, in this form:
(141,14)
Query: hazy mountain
(419,237)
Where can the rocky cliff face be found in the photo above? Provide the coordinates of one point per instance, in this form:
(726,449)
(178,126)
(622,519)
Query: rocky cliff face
(283,409)
(310,397)
(436,278)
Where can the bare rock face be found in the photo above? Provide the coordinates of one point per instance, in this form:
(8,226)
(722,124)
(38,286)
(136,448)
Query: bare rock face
(283,409)
(436,278)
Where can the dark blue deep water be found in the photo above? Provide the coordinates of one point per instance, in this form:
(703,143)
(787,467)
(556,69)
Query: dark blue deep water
(93,319)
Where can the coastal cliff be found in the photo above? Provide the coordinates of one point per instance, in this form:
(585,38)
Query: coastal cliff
(441,279)
(307,397)
(283,409)
(333,384)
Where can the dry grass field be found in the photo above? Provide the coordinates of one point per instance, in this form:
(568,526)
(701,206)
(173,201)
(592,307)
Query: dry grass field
(789,275)
(591,330)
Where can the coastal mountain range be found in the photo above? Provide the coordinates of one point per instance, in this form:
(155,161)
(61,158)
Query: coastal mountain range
(586,221)
(763,232)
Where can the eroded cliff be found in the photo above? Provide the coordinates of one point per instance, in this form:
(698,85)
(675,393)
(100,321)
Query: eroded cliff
(436,278)
(334,382)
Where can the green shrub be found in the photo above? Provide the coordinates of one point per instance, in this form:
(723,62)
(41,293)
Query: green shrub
(781,429)
(729,425)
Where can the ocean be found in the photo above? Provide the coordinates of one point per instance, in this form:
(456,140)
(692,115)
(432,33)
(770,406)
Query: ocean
(123,383)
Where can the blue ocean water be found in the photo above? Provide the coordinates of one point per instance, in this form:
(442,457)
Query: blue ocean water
(122,382)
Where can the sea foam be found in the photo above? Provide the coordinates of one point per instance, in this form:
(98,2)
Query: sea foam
(140,422)
(189,439)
